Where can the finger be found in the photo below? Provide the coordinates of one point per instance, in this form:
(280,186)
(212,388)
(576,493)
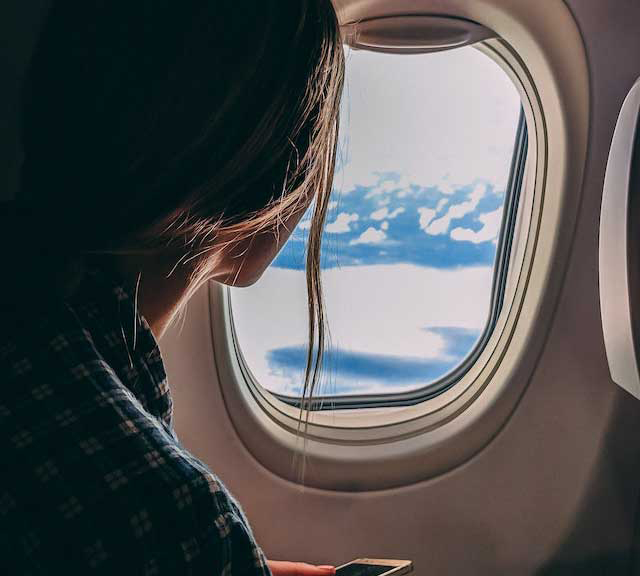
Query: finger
(283,568)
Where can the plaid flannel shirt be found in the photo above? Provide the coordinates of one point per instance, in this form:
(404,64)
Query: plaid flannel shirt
(93,477)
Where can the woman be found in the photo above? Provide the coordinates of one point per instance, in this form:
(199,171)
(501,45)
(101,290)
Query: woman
(166,144)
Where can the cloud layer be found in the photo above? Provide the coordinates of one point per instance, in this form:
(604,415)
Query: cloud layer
(405,224)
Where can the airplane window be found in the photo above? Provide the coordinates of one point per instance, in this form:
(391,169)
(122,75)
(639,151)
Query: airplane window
(411,242)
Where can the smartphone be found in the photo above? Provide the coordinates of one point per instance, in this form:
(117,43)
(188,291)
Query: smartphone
(374,567)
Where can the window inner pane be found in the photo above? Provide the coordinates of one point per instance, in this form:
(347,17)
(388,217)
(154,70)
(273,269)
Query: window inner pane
(426,143)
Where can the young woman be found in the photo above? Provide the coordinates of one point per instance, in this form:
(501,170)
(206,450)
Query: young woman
(165,144)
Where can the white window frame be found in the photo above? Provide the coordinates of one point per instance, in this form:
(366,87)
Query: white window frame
(376,448)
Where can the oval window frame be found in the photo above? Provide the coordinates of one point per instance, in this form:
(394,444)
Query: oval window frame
(381,448)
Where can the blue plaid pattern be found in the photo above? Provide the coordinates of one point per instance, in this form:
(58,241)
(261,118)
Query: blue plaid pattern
(94,479)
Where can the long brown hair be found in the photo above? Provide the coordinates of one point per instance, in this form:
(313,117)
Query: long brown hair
(160,125)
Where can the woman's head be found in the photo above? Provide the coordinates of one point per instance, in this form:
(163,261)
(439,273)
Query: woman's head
(200,129)
(148,122)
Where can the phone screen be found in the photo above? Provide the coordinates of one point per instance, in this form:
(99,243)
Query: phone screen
(363,570)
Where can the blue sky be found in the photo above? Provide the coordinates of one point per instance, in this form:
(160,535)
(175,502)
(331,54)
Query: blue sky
(410,240)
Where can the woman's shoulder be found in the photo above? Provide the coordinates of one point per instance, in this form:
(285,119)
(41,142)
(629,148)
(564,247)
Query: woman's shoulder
(95,477)
(62,397)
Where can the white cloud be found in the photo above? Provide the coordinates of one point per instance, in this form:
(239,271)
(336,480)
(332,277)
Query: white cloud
(370,236)
(383,213)
(426,216)
(341,225)
(385,225)
(332,205)
(441,225)
(305,224)
(380,214)
(490,227)
(441,204)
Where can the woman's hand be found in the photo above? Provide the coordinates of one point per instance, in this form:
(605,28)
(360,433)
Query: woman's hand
(280,568)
